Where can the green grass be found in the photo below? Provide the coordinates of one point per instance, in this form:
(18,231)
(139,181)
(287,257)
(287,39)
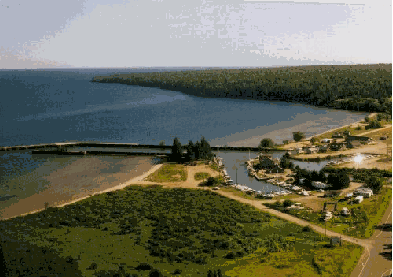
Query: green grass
(201,176)
(356,225)
(191,231)
(169,173)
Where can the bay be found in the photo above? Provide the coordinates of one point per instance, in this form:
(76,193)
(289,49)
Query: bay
(60,106)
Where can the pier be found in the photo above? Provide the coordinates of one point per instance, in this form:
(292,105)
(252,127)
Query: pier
(124,145)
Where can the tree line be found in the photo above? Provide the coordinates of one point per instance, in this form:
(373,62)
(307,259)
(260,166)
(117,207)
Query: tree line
(350,87)
(200,150)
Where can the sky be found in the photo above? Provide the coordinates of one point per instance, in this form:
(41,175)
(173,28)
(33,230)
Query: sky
(207,33)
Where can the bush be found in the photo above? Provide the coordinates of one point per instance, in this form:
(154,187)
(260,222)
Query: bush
(306,229)
(143,266)
(155,273)
(287,203)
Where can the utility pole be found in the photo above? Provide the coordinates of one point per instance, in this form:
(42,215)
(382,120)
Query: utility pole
(236,175)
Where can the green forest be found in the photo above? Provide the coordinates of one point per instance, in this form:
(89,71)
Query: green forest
(350,87)
(152,231)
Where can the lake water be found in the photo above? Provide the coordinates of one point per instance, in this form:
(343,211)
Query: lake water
(59,106)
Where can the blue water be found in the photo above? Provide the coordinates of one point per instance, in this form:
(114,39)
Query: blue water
(58,106)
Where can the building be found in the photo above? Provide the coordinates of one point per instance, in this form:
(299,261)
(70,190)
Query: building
(310,149)
(335,146)
(326,141)
(299,150)
(319,185)
(324,148)
(345,211)
(338,135)
(365,192)
(358,199)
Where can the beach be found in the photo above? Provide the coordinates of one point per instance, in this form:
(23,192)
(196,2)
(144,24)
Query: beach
(81,179)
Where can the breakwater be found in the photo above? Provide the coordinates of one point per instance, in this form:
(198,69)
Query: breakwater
(123,145)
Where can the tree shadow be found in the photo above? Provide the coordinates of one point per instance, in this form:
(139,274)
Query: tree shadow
(25,259)
(384,227)
(387,254)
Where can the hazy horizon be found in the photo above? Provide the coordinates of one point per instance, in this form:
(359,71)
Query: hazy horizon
(201,33)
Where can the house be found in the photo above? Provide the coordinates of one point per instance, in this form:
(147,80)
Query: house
(358,199)
(335,146)
(324,148)
(365,192)
(349,195)
(299,150)
(345,211)
(310,149)
(338,135)
(326,215)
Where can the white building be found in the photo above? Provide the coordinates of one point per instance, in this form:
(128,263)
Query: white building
(319,185)
(358,199)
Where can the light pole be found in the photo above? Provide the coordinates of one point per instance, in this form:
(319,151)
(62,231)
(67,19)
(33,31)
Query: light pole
(236,175)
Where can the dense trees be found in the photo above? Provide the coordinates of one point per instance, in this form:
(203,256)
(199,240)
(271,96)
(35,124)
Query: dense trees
(201,150)
(350,87)
(338,180)
(285,161)
(375,183)
(176,154)
(298,136)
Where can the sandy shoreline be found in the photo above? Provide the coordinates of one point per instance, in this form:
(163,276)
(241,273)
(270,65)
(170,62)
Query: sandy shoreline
(42,197)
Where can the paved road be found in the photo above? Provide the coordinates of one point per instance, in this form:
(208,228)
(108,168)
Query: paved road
(377,259)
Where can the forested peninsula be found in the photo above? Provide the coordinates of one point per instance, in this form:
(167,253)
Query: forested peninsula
(350,87)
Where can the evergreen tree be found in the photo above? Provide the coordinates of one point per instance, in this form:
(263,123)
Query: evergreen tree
(190,151)
(197,150)
(176,150)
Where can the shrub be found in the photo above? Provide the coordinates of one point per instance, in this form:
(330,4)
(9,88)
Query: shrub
(155,273)
(143,266)
(306,229)
(287,203)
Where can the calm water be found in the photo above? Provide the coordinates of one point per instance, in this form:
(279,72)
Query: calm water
(234,163)
(57,106)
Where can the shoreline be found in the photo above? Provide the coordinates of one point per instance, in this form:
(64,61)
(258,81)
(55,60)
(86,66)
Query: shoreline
(123,185)
(349,125)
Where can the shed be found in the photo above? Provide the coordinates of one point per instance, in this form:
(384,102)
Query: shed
(345,211)
(335,241)
(358,199)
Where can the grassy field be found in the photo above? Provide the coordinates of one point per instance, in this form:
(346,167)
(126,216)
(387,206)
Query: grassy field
(169,173)
(177,232)
(201,176)
(364,216)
